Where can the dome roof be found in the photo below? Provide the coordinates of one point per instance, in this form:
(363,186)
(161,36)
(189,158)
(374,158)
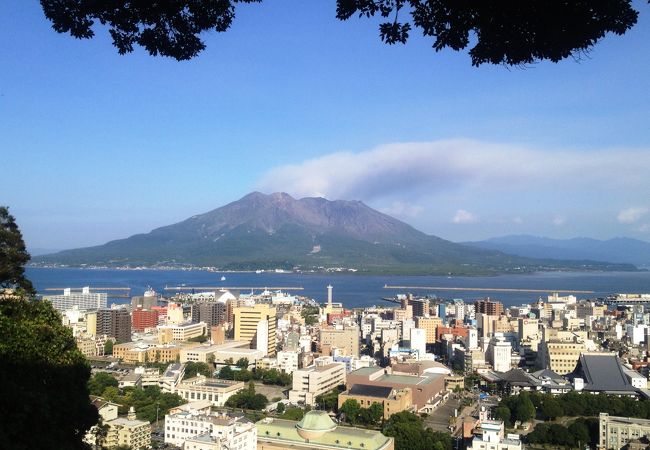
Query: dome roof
(315,424)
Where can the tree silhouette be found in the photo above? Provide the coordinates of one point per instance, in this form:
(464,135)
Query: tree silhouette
(13,254)
(499,32)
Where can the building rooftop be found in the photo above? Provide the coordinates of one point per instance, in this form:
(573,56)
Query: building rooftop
(285,432)
(128,422)
(370,391)
(409,379)
(602,372)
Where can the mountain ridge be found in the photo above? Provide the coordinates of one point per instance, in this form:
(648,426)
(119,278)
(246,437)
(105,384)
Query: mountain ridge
(622,250)
(277,231)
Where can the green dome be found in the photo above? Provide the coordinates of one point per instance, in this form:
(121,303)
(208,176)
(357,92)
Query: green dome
(315,423)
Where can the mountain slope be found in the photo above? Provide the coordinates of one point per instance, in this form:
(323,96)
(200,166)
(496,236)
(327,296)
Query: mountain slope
(272,231)
(617,250)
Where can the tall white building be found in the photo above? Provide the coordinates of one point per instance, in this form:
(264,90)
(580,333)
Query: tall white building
(262,336)
(499,353)
(419,341)
(288,361)
(84,300)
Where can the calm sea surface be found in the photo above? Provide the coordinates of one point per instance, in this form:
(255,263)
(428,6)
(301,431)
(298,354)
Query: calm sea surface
(351,290)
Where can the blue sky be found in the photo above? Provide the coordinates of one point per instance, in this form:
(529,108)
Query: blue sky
(98,146)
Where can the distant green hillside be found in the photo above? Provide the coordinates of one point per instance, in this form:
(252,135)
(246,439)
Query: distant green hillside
(276,231)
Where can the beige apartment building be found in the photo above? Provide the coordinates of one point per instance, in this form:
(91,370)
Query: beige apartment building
(136,353)
(313,381)
(617,432)
(561,356)
(214,390)
(245,323)
(345,339)
(128,432)
(181,332)
(429,325)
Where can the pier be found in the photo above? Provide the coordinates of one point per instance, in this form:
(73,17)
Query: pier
(233,288)
(478,289)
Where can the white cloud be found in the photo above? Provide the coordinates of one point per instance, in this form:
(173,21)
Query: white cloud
(558,221)
(463,216)
(388,171)
(632,215)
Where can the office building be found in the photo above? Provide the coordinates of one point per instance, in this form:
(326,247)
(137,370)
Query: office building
(115,323)
(489,307)
(499,353)
(142,319)
(430,325)
(616,432)
(313,381)
(344,338)
(213,313)
(246,319)
(181,332)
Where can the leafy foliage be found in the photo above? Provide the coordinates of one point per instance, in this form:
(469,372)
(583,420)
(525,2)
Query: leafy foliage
(248,399)
(145,401)
(310,314)
(329,400)
(100,381)
(44,377)
(108,347)
(356,415)
(13,254)
(193,369)
(576,435)
(499,32)
(517,407)
(410,434)
(293,414)
(574,404)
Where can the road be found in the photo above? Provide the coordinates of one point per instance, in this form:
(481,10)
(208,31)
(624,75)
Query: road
(439,419)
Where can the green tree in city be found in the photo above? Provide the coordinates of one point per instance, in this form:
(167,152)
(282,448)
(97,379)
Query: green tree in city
(248,399)
(280,408)
(503,413)
(226,373)
(410,434)
(350,409)
(524,410)
(242,363)
(100,381)
(551,409)
(13,255)
(193,369)
(108,347)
